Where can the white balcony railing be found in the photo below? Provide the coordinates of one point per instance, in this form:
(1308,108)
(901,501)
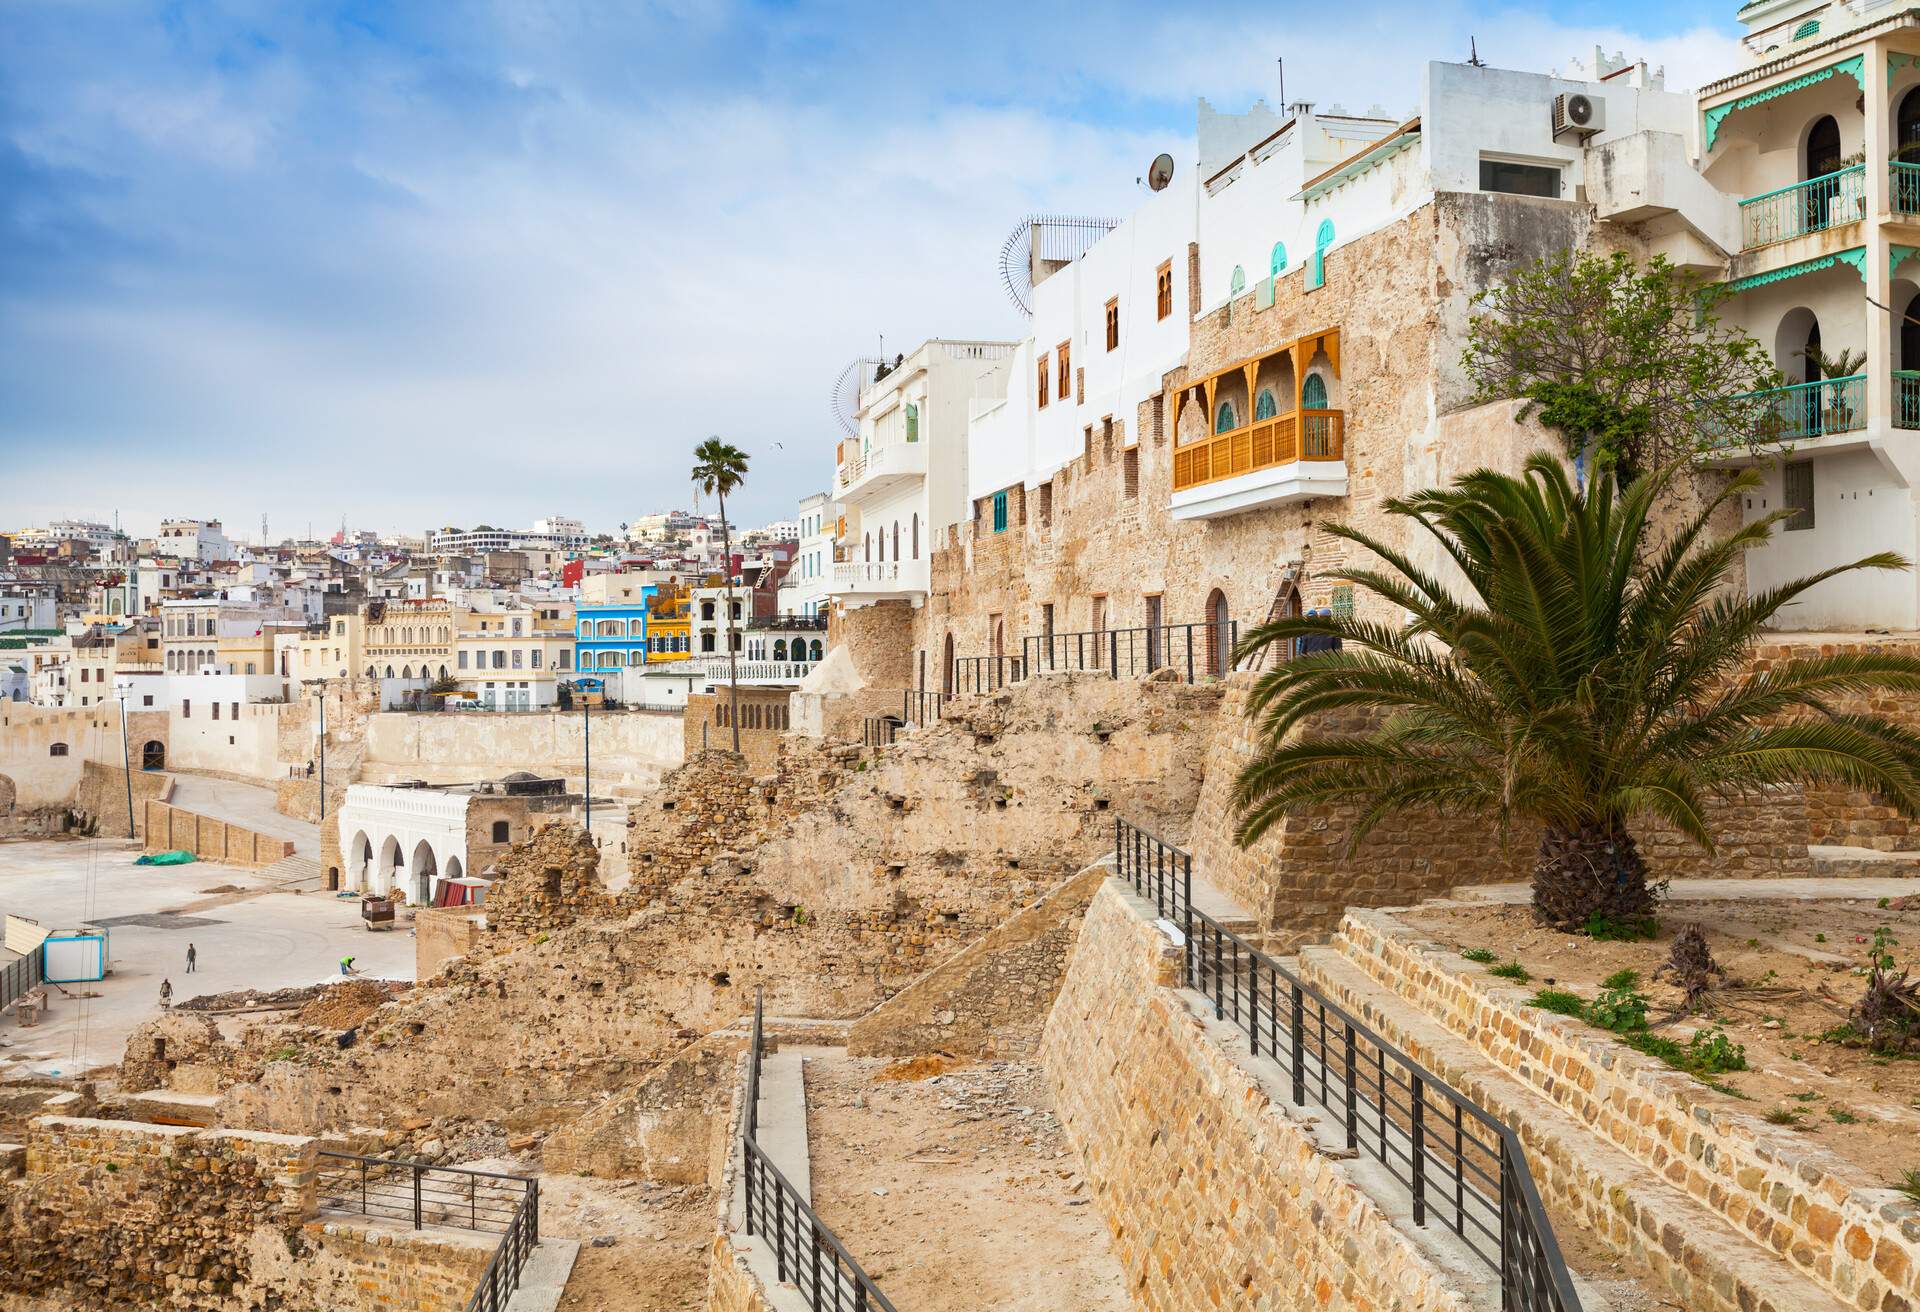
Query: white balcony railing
(896,460)
(714,670)
(880,576)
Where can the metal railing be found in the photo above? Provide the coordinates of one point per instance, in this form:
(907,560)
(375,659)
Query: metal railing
(1906,398)
(1903,185)
(421,1195)
(791,623)
(879,730)
(804,1251)
(1195,651)
(1263,444)
(1807,410)
(1459,1164)
(19,977)
(1811,206)
(920,708)
(978,674)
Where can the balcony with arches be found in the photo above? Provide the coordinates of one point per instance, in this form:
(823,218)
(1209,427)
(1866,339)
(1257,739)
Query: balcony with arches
(1263,432)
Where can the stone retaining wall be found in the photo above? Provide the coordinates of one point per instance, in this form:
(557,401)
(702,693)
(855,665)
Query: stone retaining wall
(167,828)
(1214,1196)
(1803,1202)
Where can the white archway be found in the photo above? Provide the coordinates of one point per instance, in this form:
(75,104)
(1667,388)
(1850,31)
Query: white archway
(425,869)
(387,873)
(359,860)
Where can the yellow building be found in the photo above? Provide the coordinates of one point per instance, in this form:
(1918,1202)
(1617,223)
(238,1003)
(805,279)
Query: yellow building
(333,649)
(408,638)
(669,626)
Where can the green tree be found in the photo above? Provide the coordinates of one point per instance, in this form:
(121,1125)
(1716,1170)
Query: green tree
(1581,680)
(1629,364)
(718,469)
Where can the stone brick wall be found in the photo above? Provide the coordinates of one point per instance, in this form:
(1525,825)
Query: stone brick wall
(102,795)
(548,881)
(665,1127)
(1856,1237)
(991,998)
(168,827)
(1299,875)
(1214,1196)
(443,934)
(356,1265)
(764,720)
(151,1216)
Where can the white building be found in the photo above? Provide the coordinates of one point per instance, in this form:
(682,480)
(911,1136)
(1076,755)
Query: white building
(27,607)
(903,477)
(568,532)
(807,589)
(199,540)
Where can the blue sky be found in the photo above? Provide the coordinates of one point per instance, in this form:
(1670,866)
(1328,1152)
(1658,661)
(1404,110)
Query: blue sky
(452,262)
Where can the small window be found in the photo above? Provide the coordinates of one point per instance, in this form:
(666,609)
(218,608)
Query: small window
(500,831)
(1045,391)
(1113,324)
(1520,179)
(186,709)
(1163,290)
(1238,282)
(1063,365)
(1224,421)
(1277,265)
(1046,504)
(1809,28)
(999,512)
(913,422)
(1313,393)
(1798,494)
(57,749)
(1130,467)
(216,710)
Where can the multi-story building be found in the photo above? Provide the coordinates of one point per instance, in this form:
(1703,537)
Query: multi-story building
(408,638)
(808,586)
(610,622)
(27,606)
(193,629)
(902,476)
(332,648)
(511,659)
(198,540)
(486,538)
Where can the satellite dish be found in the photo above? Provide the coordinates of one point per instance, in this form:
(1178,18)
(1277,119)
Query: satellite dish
(1160,172)
(1040,243)
(846,393)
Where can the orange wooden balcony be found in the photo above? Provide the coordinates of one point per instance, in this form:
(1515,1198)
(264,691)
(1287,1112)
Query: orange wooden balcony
(1264,444)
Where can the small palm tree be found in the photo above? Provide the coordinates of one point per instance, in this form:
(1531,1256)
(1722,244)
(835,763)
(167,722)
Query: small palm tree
(1584,678)
(718,469)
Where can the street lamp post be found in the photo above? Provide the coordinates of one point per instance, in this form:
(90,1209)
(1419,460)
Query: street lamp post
(321,697)
(586,729)
(120,687)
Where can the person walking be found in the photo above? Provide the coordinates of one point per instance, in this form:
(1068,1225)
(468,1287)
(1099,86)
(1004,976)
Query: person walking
(191,954)
(166,994)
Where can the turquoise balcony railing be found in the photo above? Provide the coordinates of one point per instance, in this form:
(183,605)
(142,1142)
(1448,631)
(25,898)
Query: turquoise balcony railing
(1906,398)
(1833,405)
(1812,206)
(1903,184)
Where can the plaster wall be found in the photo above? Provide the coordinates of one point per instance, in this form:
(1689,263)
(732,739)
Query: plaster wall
(443,748)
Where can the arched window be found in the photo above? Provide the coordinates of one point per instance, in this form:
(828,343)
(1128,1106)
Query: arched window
(1823,148)
(389,671)
(916,535)
(1809,28)
(779,649)
(815,653)
(1322,243)
(1278,264)
(896,539)
(406,671)
(586,628)
(1224,422)
(1238,283)
(1266,407)
(1313,393)
(57,749)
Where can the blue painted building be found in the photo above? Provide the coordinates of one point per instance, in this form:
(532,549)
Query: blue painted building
(611,635)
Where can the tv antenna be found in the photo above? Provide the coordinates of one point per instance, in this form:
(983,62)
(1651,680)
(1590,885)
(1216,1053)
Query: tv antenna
(846,392)
(1473,53)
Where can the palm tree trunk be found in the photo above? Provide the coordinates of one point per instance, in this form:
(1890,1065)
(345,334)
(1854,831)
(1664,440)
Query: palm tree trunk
(1593,870)
(733,667)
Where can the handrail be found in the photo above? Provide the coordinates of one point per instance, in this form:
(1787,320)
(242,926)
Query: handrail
(823,1272)
(1195,651)
(1904,188)
(1807,410)
(978,674)
(879,730)
(420,1193)
(919,707)
(1906,398)
(1455,1158)
(1799,208)
(1261,444)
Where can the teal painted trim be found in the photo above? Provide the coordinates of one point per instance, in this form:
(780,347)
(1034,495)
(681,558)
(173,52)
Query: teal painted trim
(1857,257)
(1895,63)
(1238,283)
(1809,28)
(1278,264)
(1854,68)
(1897,254)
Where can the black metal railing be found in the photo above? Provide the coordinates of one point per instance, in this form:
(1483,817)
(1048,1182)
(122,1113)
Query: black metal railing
(920,709)
(1193,651)
(421,1195)
(1458,1163)
(791,623)
(878,730)
(17,978)
(805,1252)
(978,674)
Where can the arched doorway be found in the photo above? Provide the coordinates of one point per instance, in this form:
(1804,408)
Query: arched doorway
(359,857)
(1820,157)
(153,756)
(388,872)
(1219,641)
(1906,146)
(425,869)
(947,667)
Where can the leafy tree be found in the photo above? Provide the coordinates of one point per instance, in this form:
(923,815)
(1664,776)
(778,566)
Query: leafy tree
(1582,680)
(718,469)
(1629,364)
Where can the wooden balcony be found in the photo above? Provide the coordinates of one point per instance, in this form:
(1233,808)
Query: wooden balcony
(1265,444)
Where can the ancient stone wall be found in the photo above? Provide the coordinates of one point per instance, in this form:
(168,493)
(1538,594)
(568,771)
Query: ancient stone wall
(102,795)
(168,828)
(991,998)
(443,934)
(707,724)
(663,1128)
(880,640)
(1214,1196)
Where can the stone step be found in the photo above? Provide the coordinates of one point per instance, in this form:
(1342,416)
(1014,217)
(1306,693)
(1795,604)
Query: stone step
(1708,1264)
(296,870)
(1834,861)
(543,1280)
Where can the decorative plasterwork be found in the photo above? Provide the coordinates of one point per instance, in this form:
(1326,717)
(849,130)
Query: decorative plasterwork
(1855,258)
(1897,255)
(1855,68)
(1896,62)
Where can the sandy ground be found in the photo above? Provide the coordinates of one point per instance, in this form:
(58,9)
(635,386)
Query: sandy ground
(1792,975)
(958,1190)
(245,940)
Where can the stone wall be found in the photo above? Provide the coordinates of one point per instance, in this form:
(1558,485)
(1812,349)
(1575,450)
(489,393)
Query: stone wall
(663,1128)
(991,998)
(1214,1196)
(168,828)
(629,747)
(102,795)
(550,880)
(707,724)
(443,934)
(32,775)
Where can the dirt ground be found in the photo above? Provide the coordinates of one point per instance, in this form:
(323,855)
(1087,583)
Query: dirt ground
(957,1190)
(1793,971)
(655,1240)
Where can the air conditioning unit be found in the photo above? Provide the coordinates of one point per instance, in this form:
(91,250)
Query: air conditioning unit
(1579,114)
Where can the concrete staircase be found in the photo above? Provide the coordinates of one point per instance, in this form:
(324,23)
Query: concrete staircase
(1589,1184)
(296,874)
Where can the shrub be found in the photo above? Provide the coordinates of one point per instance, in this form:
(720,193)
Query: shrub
(1622,979)
(1512,970)
(1558,1001)
(1711,1052)
(1630,929)
(1785,1116)
(1621,1010)
(1480,956)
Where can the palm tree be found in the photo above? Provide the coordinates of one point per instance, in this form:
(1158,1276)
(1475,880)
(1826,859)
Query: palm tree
(719,468)
(1585,678)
